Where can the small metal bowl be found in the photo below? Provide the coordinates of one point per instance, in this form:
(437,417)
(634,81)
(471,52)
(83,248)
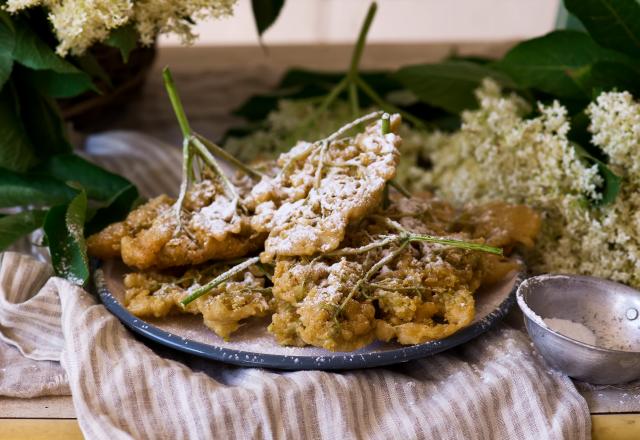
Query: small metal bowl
(609,309)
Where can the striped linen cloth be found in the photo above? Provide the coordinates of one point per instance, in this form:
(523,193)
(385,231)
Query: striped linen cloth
(58,338)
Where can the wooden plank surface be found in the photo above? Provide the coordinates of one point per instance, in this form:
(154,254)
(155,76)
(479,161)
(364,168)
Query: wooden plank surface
(615,426)
(604,427)
(39,429)
(51,407)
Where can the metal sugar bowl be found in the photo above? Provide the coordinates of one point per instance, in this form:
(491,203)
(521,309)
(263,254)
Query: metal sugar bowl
(610,310)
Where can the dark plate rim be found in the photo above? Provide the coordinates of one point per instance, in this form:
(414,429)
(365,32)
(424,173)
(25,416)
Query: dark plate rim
(333,361)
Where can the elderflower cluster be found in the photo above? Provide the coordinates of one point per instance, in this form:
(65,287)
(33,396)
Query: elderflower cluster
(78,24)
(501,154)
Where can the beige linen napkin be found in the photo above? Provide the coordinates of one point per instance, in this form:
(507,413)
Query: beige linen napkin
(492,387)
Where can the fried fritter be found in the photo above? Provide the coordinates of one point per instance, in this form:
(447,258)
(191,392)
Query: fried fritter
(211,228)
(107,243)
(320,189)
(425,292)
(153,294)
(316,320)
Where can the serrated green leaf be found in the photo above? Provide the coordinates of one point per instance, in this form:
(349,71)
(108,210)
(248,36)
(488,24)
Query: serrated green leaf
(265,13)
(16,151)
(18,189)
(99,183)
(612,23)
(552,62)
(64,230)
(124,38)
(116,210)
(449,85)
(16,226)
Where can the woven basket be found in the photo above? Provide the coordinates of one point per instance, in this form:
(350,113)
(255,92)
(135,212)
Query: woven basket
(91,111)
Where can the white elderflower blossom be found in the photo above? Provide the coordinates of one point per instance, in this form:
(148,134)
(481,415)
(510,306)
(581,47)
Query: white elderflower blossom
(498,154)
(615,124)
(78,24)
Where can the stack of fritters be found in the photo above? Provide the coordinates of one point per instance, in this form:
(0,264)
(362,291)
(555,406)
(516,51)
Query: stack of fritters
(342,275)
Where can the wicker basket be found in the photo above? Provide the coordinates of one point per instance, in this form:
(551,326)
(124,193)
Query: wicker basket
(92,112)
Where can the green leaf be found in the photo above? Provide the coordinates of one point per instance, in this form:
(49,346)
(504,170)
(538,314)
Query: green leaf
(60,85)
(116,210)
(63,227)
(552,62)
(124,38)
(606,76)
(612,182)
(612,23)
(32,189)
(99,183)
(16,151)
(90,64)
(7,43)
(57,77)
(265,13)
(13,227)
(41,119)
(449,85)
(31,51)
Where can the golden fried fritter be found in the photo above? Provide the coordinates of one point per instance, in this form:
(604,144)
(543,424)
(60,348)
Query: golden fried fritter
(106,243)
(211,228)
(321,188)
(153,294)
(319,319)
(423,292)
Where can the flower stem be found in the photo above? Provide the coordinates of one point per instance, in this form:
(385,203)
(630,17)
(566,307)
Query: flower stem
(362,37)
(401,189)
(353,99)
(206,155)
(366,88)
(385,123)
(457,243)
(176,102)
(371,272)
(235,270)
(221,152)
(187,169)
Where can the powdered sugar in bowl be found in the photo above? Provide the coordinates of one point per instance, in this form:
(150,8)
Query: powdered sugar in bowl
(586,327)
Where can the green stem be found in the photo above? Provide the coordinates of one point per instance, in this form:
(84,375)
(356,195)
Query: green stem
(235,270)
(360,43)
(401,189)
(215,149)
(371,272)
(184,185)
(385,123)
(366,88)
(366,248)
(213,164)
(176,103)
(456,243)
(345,128)
(353,99)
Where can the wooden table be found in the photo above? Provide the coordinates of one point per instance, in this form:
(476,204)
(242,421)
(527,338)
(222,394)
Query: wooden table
(53,418)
